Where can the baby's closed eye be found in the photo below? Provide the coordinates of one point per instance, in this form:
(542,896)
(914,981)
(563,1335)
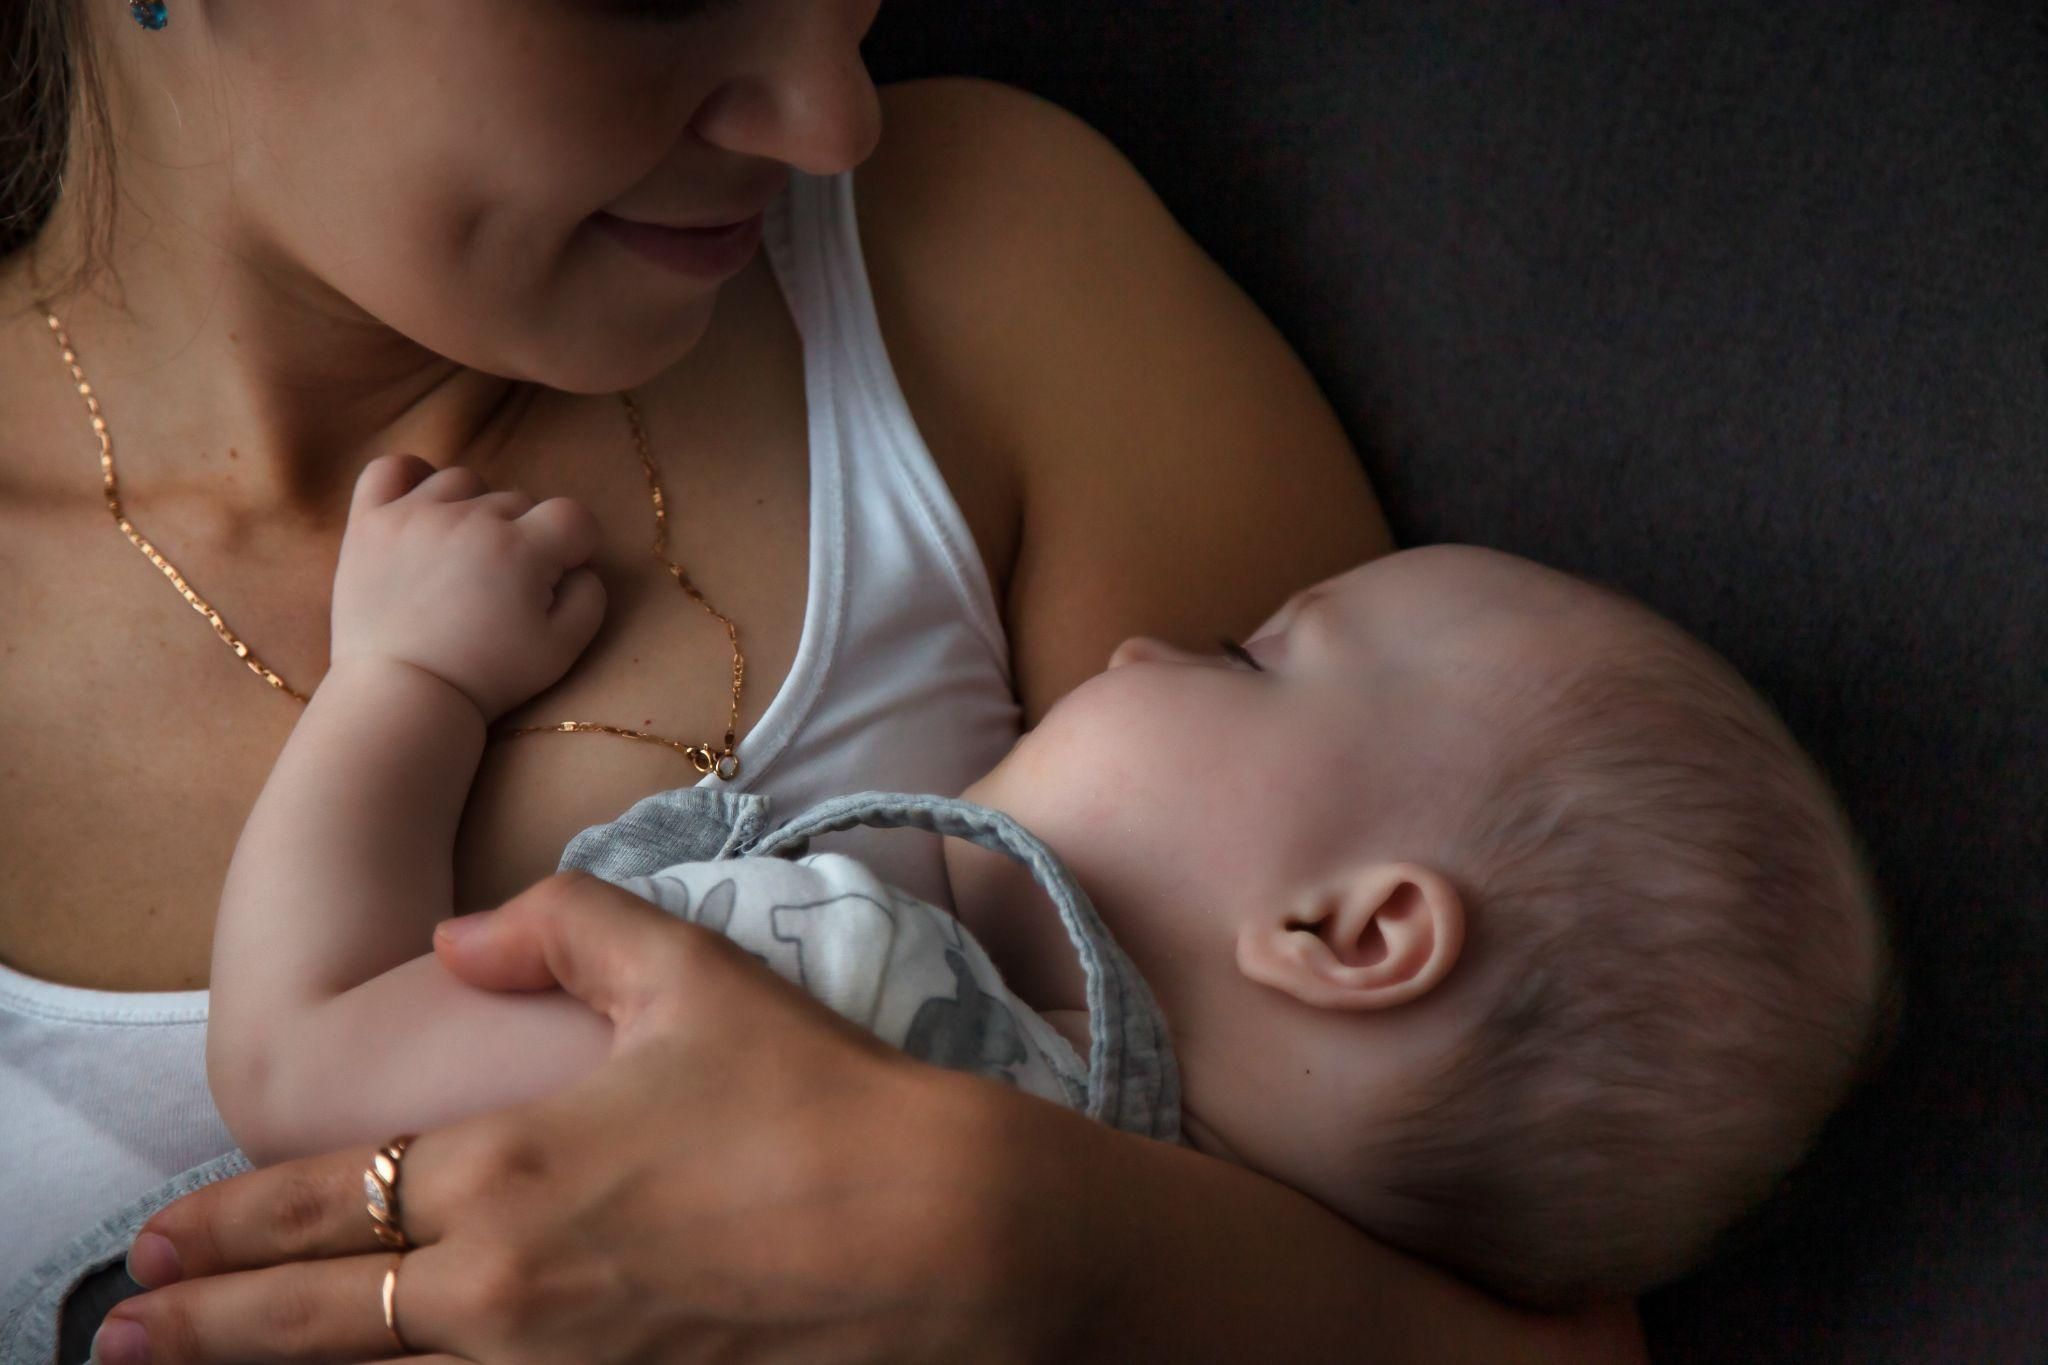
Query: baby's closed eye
(1241,655)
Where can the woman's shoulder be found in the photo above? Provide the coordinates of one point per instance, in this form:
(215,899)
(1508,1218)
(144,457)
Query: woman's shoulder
(985,212)
(991,148)
(955,228)
(991,219)
(1055,329)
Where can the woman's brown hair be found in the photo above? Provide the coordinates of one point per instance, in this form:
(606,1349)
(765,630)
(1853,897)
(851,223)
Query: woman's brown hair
(49,79)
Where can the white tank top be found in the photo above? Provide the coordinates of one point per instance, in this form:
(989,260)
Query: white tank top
(901,682)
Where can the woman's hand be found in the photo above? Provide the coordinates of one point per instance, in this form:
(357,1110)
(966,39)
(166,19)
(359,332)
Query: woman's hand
(748,1177)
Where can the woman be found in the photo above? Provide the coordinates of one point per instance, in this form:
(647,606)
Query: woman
(934,451)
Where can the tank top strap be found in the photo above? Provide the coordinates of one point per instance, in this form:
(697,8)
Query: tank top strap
(827,284)
(909,684)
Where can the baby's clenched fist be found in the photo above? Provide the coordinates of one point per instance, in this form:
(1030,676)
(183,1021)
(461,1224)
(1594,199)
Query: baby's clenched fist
(488,591)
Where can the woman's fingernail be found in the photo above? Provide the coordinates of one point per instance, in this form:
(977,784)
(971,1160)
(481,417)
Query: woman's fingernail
(120,1341)
(457,929)
(153,1261)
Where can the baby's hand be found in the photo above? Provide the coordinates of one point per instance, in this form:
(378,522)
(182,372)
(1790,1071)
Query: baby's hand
(485,590)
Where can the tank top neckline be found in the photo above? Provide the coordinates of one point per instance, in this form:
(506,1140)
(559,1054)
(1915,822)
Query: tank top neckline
(23,994)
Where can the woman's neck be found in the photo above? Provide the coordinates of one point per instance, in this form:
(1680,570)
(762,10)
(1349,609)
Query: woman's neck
(212,361)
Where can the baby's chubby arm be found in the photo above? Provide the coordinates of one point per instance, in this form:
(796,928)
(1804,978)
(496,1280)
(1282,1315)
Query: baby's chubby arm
(452,604)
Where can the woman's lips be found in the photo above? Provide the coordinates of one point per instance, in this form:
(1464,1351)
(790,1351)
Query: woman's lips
(709,253)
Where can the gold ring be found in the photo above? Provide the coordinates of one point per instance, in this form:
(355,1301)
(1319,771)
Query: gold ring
(391,1306)
(380,1183)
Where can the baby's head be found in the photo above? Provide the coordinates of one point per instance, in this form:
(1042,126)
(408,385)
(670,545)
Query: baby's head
(1488,908)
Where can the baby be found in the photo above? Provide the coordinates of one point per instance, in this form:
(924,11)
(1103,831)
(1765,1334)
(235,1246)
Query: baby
(1479,904)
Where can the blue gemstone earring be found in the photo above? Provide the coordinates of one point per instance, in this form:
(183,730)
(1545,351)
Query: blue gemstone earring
(149,13)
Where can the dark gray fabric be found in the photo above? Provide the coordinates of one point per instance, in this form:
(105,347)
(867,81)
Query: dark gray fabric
(1744,309)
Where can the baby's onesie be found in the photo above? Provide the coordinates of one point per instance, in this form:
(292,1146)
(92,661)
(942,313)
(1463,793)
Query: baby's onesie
(905,970)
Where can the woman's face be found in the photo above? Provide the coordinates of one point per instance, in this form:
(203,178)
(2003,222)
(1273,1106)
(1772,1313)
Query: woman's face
(457,170)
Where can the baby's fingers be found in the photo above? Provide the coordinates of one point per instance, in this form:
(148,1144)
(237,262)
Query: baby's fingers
(387,479)
(562,529)
(510,503)
(578,608)
(456,483)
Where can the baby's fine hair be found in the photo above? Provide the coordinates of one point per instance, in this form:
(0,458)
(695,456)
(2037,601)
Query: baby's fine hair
(1689,971)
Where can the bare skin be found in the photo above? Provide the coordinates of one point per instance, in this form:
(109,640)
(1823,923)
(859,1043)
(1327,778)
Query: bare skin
(1106,501)
(105,670)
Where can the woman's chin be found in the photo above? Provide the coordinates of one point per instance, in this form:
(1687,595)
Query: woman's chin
(614,354)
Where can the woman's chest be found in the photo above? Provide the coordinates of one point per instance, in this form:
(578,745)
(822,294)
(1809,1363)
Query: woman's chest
(133,742)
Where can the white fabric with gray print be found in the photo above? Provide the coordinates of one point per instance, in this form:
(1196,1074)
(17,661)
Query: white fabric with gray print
(906,971)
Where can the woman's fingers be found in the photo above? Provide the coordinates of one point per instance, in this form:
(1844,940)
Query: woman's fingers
(300,1210)
(309,1209)
(492,957)
(307,1312)
(650,974)
(607,947)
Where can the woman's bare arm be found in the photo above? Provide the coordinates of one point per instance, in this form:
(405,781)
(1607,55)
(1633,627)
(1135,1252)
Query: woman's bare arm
(1174,469)
(1200,1260)
(1177,474)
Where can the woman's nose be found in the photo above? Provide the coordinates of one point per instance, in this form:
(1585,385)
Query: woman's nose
(808,100)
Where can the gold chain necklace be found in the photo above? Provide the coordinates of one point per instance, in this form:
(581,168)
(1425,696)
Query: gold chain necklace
(722,760)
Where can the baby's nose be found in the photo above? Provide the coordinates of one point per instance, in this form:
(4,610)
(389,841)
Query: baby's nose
(1143,649)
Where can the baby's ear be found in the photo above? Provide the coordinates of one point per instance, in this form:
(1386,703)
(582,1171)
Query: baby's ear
(1380,936)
